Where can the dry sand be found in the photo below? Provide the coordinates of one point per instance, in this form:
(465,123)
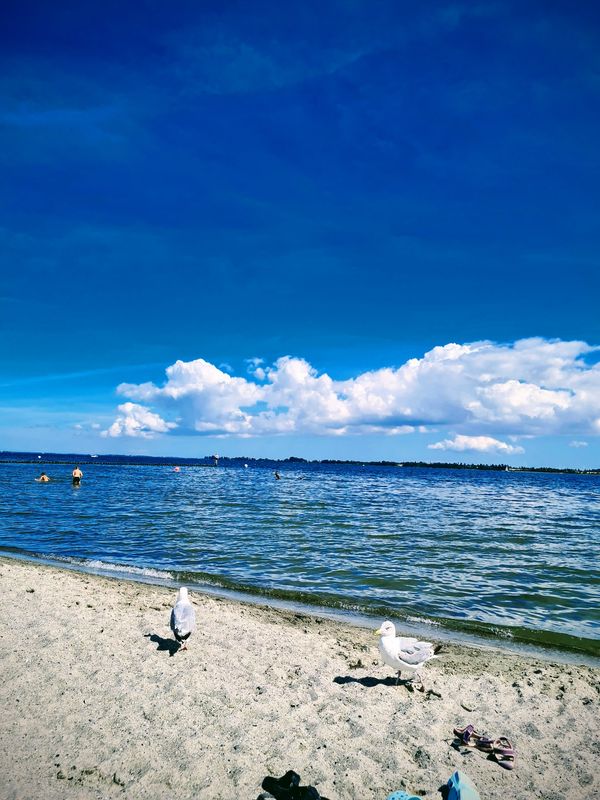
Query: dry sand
(94,706)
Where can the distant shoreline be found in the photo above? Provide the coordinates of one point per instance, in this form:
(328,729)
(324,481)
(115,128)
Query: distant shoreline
(14,457)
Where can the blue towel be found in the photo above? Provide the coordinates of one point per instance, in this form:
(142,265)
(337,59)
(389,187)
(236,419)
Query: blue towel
(400,795)
(460,787)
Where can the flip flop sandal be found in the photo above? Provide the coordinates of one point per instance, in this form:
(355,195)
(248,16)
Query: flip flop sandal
(504,753)
(468,736)
(288,788)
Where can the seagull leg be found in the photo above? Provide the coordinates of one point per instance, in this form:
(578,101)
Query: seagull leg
(418,679)
(398,677)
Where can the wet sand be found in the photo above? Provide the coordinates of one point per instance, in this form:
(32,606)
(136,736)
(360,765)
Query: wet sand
(94,705)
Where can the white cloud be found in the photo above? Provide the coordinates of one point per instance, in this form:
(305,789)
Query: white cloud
(479,444)
(578,443)
(137,421)
(529,388)
(86,426)
(255,368)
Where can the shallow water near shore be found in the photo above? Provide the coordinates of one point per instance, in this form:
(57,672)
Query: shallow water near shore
(501,555)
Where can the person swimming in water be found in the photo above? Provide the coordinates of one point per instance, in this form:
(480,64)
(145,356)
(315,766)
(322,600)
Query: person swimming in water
(77,476)
(43,478)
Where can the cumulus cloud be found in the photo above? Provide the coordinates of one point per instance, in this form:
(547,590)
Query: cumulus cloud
(531,387)
(137,421)
(578,443)
(479,444)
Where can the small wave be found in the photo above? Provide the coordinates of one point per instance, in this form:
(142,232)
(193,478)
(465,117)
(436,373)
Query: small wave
(105,566)
(423,621)
(145,571)
(502,633)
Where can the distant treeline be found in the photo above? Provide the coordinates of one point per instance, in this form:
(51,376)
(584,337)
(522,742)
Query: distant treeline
(459,465)
(86,458)
(8,457)
(498,467)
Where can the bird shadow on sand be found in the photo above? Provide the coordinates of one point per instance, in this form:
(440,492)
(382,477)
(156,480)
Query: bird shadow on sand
(368,682)
(389,681)
(164,644)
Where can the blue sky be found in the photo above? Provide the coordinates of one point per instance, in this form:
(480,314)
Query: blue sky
(346,184)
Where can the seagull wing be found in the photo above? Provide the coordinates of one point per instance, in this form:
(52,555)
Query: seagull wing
(183,619)
(412,651)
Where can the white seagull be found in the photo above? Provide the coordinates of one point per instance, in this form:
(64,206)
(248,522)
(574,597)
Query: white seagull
(404,653)
(183,618)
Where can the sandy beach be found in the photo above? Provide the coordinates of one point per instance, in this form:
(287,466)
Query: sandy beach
(93,704)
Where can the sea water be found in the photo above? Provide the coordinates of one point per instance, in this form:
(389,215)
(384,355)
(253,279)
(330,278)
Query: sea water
(504,555)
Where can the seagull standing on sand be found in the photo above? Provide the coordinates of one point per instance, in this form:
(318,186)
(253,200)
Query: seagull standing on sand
(404,652)
(183,618)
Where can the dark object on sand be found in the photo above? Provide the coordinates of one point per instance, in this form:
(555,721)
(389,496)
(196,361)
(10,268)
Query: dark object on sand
(288,788)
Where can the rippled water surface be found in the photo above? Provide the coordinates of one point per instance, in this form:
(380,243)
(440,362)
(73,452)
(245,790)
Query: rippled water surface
(513,554)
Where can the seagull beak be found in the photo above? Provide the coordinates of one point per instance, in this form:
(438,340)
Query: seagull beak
(377,632)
